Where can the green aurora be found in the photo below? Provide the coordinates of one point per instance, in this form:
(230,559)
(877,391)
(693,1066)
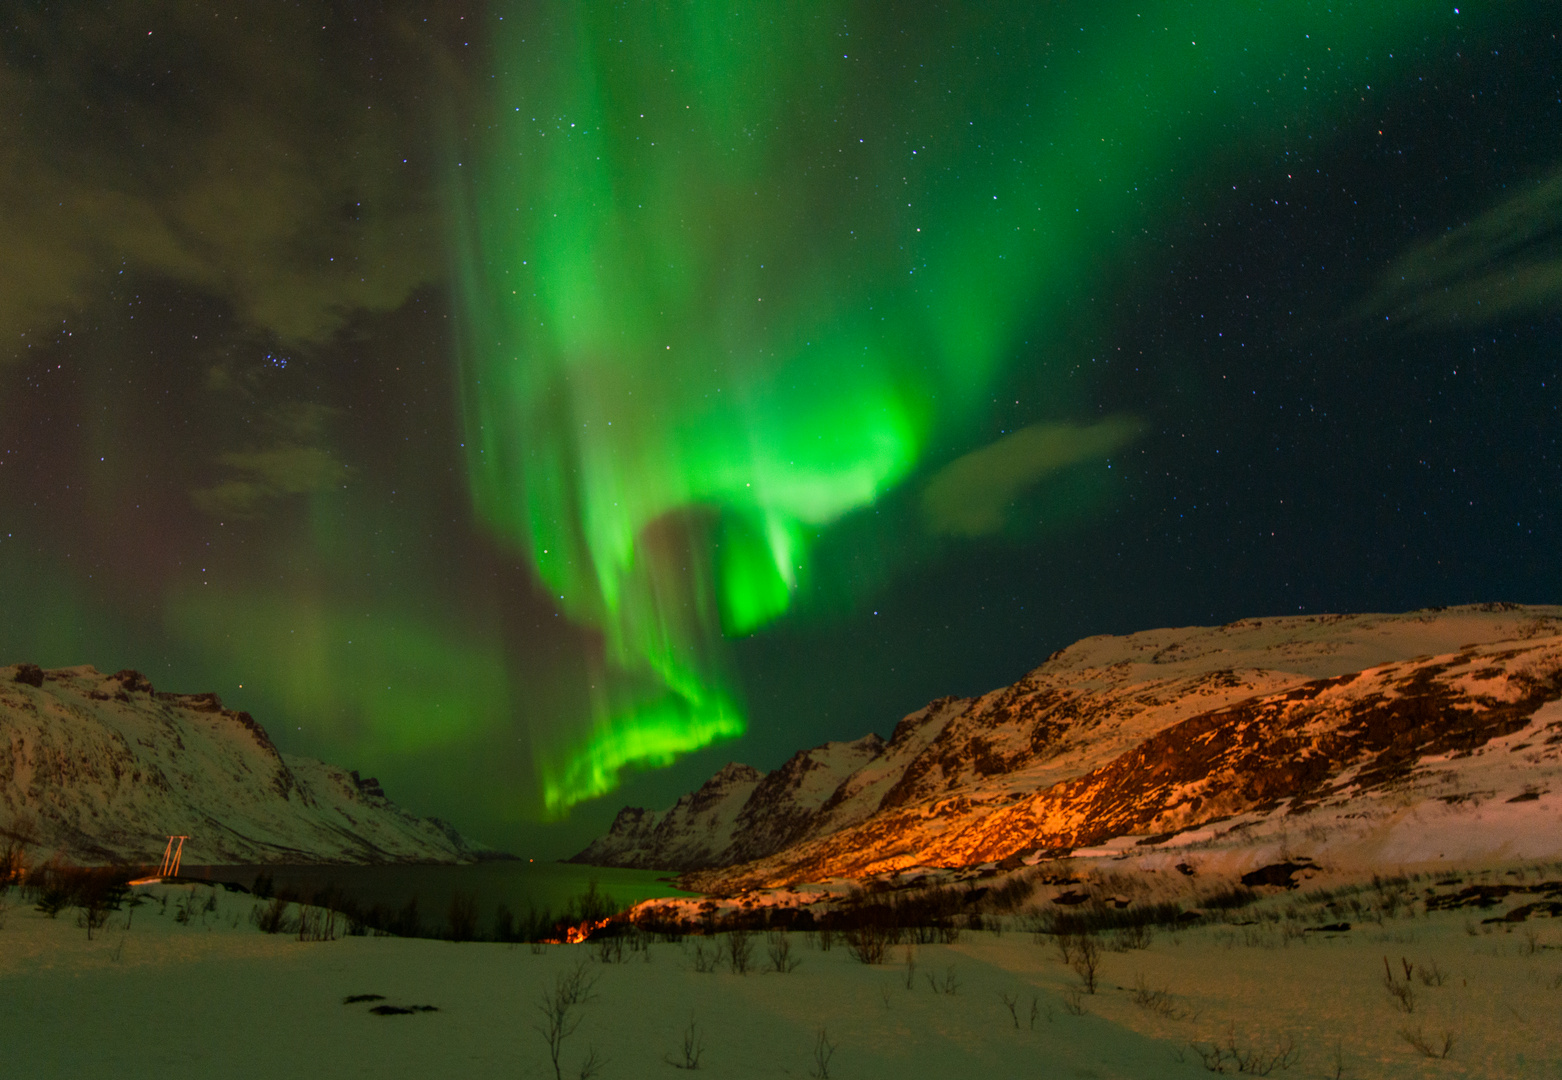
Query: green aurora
(730,272)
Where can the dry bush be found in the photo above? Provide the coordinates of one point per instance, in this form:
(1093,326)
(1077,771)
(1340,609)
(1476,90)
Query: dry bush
(869,943)
(948,984)
(705,960)
(316,924)
(1440,1047)
(778,948)
(1403,993)
(1158,1002)
(1074,1001)
(1431,976)
(693,1048)
(740,951)
(558,1005)
(1253,1061)
(1086,960)
(609,950)
(824,1050)
(271,919)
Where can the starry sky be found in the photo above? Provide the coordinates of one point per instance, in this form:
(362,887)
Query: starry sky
(539,405)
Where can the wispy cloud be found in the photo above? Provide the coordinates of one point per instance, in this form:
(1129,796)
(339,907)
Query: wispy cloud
(1507,260)
(971,495)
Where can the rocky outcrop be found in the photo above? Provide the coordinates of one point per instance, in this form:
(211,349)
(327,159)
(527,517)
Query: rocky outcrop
(104,767)
(1158,733)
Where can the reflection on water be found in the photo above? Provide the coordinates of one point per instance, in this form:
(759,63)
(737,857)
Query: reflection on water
(519,886)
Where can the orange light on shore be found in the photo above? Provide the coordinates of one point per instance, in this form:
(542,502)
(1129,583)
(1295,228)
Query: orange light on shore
(574,935)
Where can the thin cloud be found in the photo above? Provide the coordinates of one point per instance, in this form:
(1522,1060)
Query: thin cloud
(971,495)
(238,151)
(1507,260)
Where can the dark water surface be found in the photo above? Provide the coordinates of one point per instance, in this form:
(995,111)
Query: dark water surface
(543,886)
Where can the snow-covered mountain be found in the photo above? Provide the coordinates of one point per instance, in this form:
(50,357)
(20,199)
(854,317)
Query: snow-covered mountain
(1430,735)
(103,768)
(735,816)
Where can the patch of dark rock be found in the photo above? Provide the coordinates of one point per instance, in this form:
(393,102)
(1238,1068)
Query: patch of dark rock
(131,680)
(1070,898)
(1328,928)
(1190,916)
(397,1010)
(1186,870)
(29,674)
(1465,796)
(1015,861)
(353,999)
(1549,908)
(1528,796)
(1281,874)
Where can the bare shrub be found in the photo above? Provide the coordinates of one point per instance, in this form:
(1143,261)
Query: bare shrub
(868,943)
(316,924)
(557,1005)
(911,969)
(948,984)
(1011,1001)
(1431,976)
(271,919)
(1133,937)
(1074,1001)
(824,1050)
(705,960)
(92,919)
(688,1055)
(1403,993)
(610,949)
(1439,1047)
(1035,1011)
(1253,1061)
(1086,960)
(778,947)
(1158,1002)
(740,951)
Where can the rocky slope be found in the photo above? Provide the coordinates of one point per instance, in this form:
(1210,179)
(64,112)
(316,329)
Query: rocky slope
(737,815)
(103,768)
(1365,734)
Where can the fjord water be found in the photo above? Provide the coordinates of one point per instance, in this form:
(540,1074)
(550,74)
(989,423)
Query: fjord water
(519,885)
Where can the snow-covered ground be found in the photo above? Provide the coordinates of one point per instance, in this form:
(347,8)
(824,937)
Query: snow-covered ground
(213,996)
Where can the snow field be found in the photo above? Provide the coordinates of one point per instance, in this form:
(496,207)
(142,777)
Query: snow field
(213,995)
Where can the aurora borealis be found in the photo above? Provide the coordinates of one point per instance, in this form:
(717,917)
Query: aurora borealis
(519,405)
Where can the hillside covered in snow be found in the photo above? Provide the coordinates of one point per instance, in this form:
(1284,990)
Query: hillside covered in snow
(104,768)
(1433,735)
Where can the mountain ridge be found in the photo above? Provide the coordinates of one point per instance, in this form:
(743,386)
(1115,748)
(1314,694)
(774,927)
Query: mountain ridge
(1162,732)
(102,768)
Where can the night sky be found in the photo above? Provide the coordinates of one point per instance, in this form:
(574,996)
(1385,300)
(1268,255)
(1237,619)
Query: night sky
(539,405)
